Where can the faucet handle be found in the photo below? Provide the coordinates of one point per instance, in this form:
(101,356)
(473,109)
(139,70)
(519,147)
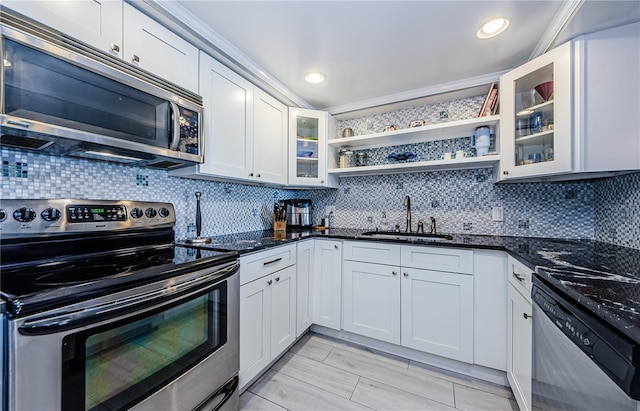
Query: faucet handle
(397,228)
(420,229)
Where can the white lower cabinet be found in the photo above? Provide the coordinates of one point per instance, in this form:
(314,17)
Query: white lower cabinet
(519,342)
(371,300)
(267,320)
(489,309)
(327,284)
(304,283)
(437,313)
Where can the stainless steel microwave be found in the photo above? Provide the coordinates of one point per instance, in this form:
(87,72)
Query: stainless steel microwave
(63,97)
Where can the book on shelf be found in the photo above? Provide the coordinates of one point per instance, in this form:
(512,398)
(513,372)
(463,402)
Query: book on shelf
(490,101)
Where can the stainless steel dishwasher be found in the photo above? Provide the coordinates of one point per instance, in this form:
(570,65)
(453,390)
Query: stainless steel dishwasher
(579,362)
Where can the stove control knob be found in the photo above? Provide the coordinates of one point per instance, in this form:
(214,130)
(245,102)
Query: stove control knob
(150,212)
(51,214)
(164,212)
(24,214)
(136,213)
(3,215)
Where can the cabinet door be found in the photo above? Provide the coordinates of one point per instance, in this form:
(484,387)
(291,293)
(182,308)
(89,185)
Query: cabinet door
(269,139)
(255,328)
(327,284)
(153,47)
(535,126)
(437,313)
(371,300)
(283,310)
(228,116)
(490,311)
(519,347)
(307,147)
(95,22)
(304,268)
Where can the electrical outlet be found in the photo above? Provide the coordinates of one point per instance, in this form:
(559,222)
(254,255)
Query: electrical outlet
(497,214)
(330,209)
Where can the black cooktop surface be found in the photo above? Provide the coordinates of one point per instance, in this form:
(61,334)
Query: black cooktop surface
(43,273)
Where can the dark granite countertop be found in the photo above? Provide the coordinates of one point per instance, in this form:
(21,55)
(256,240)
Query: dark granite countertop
(603,278)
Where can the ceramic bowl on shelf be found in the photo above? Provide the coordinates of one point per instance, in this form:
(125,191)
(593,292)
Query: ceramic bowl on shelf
(545,90)
(417,123)
(392,127)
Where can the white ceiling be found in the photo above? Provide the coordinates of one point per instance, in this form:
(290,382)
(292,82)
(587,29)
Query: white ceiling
(375,52)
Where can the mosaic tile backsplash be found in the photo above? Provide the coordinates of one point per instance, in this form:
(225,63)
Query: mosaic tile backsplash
(226,208)
(617,210)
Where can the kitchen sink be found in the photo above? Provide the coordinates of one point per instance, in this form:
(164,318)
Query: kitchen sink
(392,235)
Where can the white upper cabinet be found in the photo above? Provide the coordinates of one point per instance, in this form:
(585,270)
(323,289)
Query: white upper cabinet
(308,134)
(151,46)
(245,130)
(98,23)
(269,139)
(572,112)
(536,132)
(228,121)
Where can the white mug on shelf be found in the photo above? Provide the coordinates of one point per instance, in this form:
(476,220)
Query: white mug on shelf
(446,156)
(461,154)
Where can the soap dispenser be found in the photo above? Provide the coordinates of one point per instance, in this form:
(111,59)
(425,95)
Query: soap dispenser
(384,224)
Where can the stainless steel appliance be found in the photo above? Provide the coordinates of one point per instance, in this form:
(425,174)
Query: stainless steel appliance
(579,362)
(298,213)
(106,313)
(63,97)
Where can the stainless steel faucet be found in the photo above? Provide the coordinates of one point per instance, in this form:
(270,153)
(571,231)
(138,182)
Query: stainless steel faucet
(433,225)
(407,203)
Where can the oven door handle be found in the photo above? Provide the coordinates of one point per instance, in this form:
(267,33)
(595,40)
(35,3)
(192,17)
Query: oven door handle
(50,324)
(226,391)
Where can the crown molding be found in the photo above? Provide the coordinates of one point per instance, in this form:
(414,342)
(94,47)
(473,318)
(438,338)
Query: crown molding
(416,93)
(220,48)
(559,23)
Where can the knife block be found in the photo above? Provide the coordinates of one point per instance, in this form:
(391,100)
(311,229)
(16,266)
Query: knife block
(279,226)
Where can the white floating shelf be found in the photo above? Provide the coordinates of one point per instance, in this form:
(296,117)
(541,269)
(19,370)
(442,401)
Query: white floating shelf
(418,166)
(536,138)
(440,131)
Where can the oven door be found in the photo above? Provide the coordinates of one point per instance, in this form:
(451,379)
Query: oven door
(177,351)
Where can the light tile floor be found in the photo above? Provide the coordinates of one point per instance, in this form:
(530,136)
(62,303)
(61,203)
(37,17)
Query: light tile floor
(322,373)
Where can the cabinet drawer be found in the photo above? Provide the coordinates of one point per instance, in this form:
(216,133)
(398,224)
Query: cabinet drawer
(520,277)
(256,265)
(370,252)
(452,260)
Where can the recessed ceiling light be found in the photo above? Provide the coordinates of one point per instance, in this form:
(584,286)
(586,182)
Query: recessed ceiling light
(314,77)
(492,28)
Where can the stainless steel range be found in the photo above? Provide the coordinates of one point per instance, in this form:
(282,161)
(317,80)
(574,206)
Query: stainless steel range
(104,312)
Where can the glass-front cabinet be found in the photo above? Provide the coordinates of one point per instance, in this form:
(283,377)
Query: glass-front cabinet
(536,116)
(308,134)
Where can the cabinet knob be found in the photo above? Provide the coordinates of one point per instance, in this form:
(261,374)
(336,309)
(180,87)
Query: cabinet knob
(527,316)
(335,246)
(405,274)
(115,47)
(505,172)
(250,174)
(135,59)
(394,273)
(270,282)
(321,181)
(257,175)
(277,278)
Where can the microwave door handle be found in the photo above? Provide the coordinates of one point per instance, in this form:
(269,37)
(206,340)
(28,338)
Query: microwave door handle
(175,131)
